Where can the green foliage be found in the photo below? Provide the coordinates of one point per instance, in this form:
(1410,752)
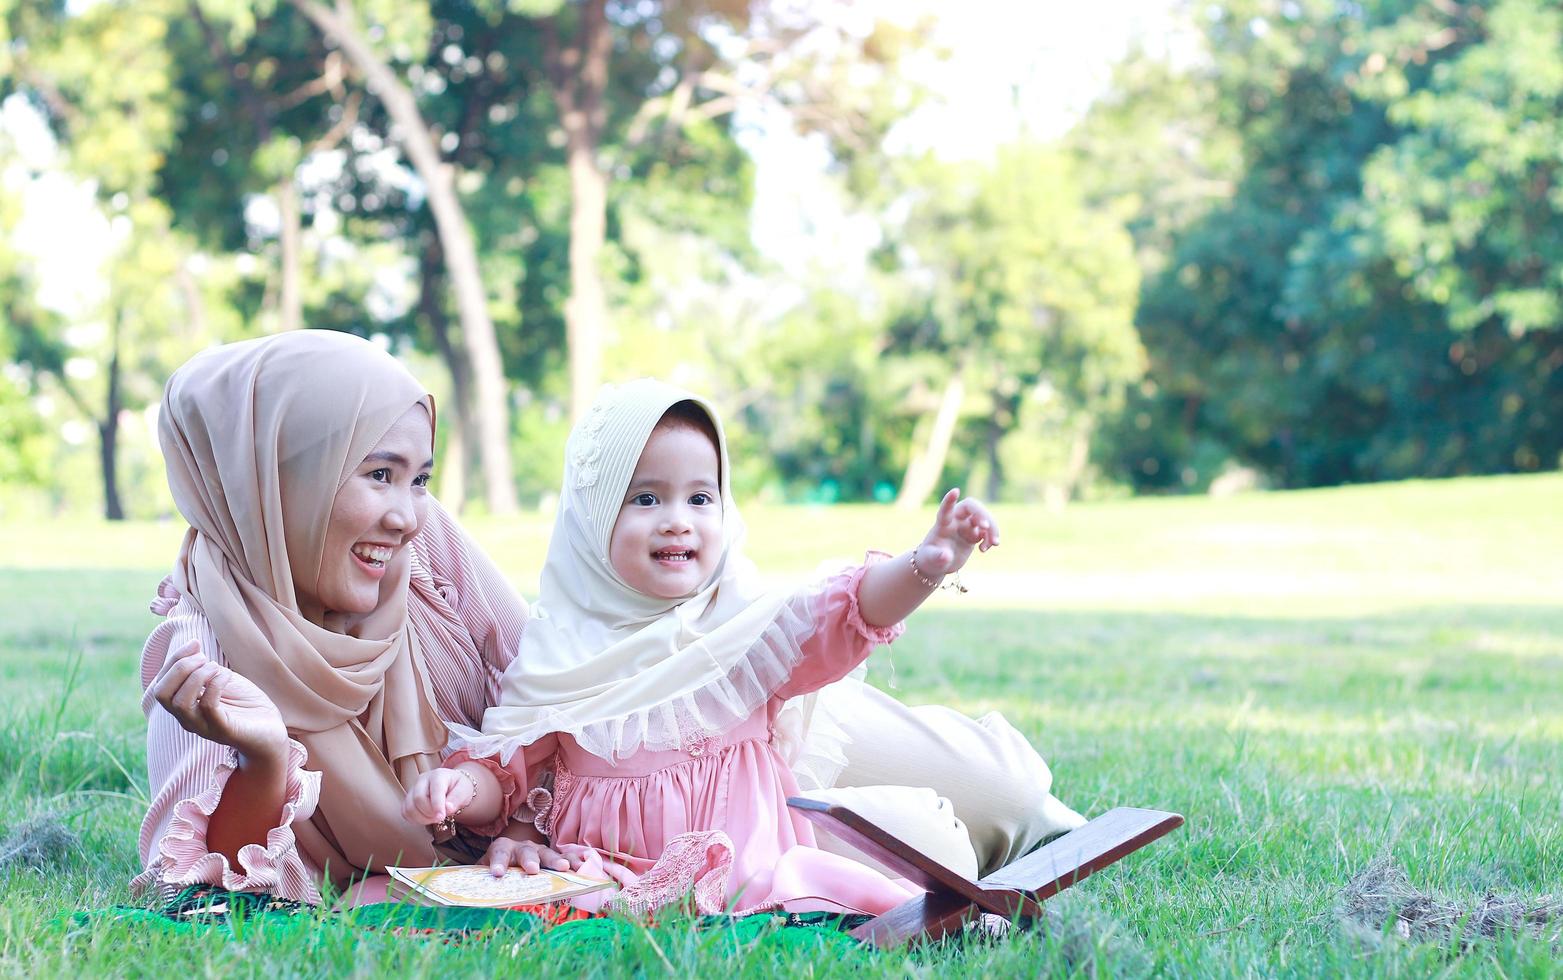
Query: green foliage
(1016,283)
(1324,243)
(1379,294)
(24,442)
(104,75)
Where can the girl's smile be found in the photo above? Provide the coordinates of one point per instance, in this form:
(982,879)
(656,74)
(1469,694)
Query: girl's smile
(668,537)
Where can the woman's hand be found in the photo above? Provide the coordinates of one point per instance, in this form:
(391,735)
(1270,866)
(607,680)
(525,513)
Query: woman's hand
(437,795)
(958,527)
(220,705)
(531,856)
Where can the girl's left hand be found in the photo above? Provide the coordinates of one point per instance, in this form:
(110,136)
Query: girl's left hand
(958,527)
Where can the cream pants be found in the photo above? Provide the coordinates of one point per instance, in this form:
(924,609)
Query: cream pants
(973,793)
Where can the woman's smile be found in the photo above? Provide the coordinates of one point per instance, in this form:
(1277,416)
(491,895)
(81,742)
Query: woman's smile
(372,558)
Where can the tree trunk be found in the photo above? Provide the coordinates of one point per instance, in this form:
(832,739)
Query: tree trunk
(194,326)
(586,311)
(290,236)
(456,418)
(1079,458)
(993,437)
(461,257)
(108,435)
(922,471)
(578,73)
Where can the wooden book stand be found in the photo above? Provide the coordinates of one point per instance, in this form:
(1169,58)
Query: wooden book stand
(1014,891)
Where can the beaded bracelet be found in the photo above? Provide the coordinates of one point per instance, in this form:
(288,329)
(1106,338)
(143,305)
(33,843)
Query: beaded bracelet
(955,584)
(448,825)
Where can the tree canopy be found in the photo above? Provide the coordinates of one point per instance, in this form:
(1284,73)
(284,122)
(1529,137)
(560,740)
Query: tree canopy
(1315,244)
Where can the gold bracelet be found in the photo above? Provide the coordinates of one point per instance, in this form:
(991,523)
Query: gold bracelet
(448,825)
(955,584)
(911,558)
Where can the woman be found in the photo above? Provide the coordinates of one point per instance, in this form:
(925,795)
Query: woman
(326,618)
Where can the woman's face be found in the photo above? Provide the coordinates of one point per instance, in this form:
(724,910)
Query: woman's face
(378,510)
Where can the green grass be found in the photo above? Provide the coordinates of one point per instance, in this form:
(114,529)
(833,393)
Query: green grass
(1317,680)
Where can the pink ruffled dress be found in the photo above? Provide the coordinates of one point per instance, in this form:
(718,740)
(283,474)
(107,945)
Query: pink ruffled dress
(711,820)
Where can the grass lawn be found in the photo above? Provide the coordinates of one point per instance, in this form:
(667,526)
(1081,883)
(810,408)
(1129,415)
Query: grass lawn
(1320,681)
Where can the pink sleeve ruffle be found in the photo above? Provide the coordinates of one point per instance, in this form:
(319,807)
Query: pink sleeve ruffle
(842,638)
(187,774)
(512,788)
(877,635)
(183,858)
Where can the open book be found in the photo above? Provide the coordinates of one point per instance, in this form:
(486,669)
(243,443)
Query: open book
(474,885)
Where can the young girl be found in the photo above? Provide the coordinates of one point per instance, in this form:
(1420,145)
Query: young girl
(653,675)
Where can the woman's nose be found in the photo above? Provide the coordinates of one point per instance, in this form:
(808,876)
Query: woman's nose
(401,515)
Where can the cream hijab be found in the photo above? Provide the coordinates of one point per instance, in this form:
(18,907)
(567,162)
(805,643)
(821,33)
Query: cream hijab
(258,437)
(614,668)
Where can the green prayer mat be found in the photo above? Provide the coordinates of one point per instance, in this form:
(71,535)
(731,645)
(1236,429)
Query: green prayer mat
(204,908)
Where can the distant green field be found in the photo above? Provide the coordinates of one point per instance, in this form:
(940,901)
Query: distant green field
(1318,680)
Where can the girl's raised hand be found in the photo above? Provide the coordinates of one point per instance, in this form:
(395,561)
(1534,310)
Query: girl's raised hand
(958,527)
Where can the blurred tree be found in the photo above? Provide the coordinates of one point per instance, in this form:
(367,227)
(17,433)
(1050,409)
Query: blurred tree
(407,25)
(1016,291)
(486,92)
(260,96)
(102,80)
(24,442)
(1152,152)
(1378,296)
(684,65)
(1462,214)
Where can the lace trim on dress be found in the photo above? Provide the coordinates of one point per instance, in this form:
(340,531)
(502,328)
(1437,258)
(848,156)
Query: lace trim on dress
(810,736)
(696,864)
(564,781)
(704,713)
(184,858)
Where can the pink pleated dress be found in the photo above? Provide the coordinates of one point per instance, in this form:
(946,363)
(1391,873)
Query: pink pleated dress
(711,820)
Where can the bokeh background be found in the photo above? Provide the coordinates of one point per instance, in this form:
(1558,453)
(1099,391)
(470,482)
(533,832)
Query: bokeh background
(1044,251)
(1158,277)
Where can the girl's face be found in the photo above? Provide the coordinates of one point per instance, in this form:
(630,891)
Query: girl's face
(668,538)
(378,510)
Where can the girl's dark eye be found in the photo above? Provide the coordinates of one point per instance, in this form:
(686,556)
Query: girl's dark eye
(421,480)
(381,475)
(646,499)
(701,499)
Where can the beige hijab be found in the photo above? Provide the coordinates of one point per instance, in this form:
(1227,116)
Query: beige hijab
(619,670)
(258,437)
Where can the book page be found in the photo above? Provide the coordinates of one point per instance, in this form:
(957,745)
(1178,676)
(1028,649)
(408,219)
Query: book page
(474,885)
